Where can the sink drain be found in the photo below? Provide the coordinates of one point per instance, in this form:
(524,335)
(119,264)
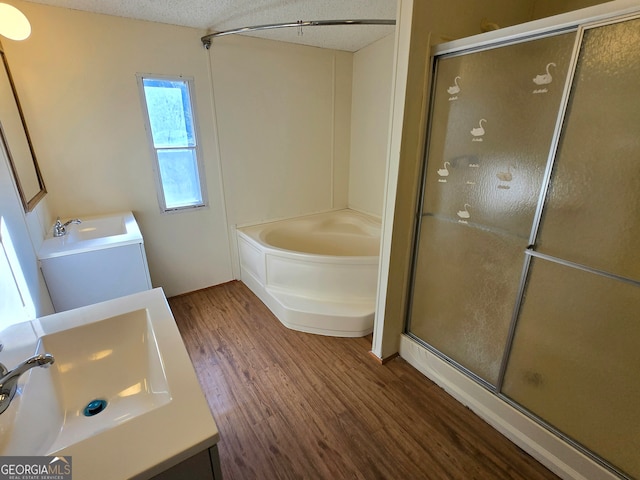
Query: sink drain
(94,407)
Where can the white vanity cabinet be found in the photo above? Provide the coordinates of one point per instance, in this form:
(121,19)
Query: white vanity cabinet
(99,259)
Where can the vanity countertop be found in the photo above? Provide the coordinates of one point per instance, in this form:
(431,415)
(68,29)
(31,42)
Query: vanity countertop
(136,446)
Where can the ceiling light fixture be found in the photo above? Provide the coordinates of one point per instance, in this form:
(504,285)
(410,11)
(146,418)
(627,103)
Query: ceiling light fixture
(13,23)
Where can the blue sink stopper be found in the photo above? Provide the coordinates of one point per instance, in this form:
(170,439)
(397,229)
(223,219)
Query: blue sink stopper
(95,407)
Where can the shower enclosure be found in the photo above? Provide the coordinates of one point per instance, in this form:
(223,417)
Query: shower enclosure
(526,271)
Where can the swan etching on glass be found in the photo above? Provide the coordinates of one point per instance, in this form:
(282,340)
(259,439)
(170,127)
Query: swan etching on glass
(444,172)
(546,78)
(464,213)
(455,88)
(478,131)
(506,176)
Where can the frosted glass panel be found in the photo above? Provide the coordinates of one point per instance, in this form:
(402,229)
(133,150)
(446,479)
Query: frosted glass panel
(576,357)
(492,123)
(593,209)
(464,291)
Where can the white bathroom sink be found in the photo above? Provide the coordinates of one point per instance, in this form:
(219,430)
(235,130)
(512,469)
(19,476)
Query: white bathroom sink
(93,233)
(100,227)
(128,352)
(115,360)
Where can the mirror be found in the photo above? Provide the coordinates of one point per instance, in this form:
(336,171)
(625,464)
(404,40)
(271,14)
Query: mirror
(17,143)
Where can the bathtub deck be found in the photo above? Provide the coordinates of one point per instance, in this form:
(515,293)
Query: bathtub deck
(296,405)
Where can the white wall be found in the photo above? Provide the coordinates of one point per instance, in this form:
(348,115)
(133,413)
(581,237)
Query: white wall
(76,77)
(23,294)
(370,110)
(276,141)
(282,114)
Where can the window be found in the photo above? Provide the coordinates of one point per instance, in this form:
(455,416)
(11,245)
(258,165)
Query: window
(170,123)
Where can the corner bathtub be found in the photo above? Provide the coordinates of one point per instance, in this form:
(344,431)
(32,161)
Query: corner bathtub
(317,273)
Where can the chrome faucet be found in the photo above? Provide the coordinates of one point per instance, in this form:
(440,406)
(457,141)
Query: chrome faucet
(60,229)
(9,380)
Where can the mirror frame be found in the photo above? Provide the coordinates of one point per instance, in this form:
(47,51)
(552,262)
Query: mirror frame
(28,203)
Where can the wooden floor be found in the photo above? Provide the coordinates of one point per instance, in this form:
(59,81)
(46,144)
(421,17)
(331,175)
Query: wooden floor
(296,405)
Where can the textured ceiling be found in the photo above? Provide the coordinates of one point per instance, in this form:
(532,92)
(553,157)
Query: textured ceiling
(218,15)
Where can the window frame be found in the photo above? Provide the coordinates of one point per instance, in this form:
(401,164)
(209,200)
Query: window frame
(160,191)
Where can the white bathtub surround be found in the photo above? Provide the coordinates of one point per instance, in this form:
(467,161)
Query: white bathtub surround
(316,273)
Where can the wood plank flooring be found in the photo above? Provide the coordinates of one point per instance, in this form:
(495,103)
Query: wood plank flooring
(295,405)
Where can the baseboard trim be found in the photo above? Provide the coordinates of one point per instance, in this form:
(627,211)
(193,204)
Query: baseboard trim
(382,361)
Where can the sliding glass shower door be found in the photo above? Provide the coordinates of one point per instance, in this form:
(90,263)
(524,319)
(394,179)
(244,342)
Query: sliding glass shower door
(492,123)
(575,357)
(526,270)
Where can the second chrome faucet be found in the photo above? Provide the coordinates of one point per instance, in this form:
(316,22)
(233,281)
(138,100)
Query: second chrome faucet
(60,229)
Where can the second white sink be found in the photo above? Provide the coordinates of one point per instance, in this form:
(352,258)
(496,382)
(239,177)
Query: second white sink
(102,227)
(94,233)
(99,259)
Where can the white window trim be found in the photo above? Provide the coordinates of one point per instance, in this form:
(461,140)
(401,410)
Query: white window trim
(153,151)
